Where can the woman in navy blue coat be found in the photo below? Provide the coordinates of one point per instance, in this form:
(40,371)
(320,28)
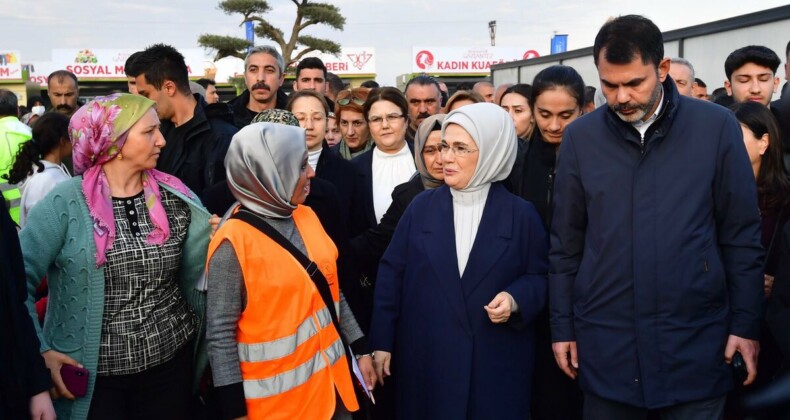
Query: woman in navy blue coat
(462,281)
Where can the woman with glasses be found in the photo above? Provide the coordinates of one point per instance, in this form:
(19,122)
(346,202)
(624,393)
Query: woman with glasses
(462,281)
(391,162)
(353,125)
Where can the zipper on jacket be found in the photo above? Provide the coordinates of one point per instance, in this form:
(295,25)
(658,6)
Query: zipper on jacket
(705,264)
(642,144)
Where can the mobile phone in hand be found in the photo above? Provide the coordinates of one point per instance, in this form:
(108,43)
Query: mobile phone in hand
(76,380)
(739,371)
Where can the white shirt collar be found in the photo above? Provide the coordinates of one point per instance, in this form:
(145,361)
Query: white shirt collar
(642,126)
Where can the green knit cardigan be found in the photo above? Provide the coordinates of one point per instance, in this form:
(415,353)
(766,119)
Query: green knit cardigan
(57,242)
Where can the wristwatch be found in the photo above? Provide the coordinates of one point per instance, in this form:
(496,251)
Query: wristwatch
(359,356)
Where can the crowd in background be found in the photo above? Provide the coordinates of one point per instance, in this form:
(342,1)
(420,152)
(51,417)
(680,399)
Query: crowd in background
(549,250)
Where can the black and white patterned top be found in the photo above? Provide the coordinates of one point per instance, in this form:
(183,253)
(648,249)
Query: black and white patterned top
(146,319)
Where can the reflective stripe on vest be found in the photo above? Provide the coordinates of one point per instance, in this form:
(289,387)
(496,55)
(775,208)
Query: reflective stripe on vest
(286,381)
(13,199)
(275,349)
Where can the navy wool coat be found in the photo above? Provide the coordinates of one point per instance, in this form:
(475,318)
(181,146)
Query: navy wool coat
(449,360)
(656,255)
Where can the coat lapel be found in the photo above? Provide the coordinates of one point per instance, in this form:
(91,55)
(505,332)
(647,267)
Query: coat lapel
(439,236)
(492,239)
(366,173)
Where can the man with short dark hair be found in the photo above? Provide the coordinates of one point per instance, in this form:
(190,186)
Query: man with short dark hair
(63,91)
(486,90)
(212,96)
(370,84)
(656,278)
(131,73)
(264,73)
(310,75)
(425,99)
(196,145)
(751,74)
(333,86)
(700,89)
(12,135)
(682,73)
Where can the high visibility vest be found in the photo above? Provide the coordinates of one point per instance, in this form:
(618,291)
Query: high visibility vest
(12,134)
(292,358)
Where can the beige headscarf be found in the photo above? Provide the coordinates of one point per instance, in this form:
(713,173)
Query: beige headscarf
(425,129)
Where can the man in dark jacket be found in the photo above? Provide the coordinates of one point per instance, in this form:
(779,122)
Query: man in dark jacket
(196,144)
(264,73)
(656,276)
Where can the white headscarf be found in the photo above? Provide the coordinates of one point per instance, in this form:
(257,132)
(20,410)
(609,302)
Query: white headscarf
(493,131)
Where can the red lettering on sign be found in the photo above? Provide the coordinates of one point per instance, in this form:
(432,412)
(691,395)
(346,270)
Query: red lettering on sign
(119,70)
(5,71)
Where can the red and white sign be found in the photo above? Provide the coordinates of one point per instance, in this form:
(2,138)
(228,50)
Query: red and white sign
(92,64)
(10,65)
(353,61)
(461,60)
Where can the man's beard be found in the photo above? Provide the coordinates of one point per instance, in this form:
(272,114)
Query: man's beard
(641,109)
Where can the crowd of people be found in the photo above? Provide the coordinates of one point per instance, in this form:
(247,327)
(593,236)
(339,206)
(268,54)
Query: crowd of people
(548,250)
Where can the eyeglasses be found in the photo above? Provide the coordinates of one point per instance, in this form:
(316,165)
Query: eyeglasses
(378,119)
(457,149)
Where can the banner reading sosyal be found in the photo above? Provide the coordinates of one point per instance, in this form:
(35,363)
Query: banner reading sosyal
(89,64)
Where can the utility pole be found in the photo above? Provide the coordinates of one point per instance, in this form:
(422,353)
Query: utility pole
(492,32)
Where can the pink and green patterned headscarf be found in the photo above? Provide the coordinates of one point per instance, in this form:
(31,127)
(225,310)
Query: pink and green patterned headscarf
(98,131)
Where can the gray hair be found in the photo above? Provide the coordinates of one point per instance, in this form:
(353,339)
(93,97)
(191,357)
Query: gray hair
(266,49)
(683,61)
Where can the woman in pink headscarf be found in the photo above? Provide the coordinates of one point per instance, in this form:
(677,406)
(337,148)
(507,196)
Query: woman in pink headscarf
(123,246)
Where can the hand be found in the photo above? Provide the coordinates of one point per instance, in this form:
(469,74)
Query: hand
(768,285)
(54,361)
(381,360)
(749,350)
(568,363)
(214,222)
(368,371)
(499,308)
(41,407)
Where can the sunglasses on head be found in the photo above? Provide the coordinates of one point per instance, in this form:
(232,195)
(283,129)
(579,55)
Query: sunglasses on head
(346,101)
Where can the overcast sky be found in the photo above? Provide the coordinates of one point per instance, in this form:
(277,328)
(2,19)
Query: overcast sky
(392,27)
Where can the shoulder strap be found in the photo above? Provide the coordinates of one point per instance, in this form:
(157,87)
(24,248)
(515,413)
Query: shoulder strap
(312,269)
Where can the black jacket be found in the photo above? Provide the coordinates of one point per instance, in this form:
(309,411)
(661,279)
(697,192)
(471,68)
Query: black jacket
(342,174)
(23,371)
(781,110)
(364,166)
(242,116)
(536,175)
(197,157)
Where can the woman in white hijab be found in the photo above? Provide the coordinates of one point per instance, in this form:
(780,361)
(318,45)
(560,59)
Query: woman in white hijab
(462,281)
(277,323)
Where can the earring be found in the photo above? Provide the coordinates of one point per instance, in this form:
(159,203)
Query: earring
(119,157)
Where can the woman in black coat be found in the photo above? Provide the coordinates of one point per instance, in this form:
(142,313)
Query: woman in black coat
(557,100)
(25,381)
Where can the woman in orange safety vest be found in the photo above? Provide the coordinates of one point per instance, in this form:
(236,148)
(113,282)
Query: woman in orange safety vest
(273,331)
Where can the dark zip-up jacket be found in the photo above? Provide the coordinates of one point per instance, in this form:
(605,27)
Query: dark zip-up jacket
(656,255)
